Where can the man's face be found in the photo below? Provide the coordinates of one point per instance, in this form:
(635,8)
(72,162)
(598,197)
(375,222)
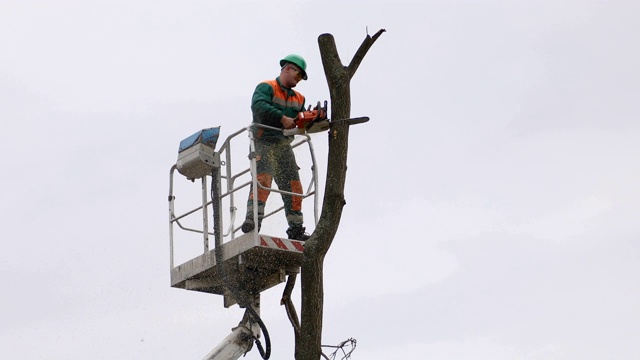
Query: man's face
(297,72)
(293,75)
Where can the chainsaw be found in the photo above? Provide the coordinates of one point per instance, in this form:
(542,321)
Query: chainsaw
(310,121)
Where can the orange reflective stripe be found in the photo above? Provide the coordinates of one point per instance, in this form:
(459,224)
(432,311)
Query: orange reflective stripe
(280,96)
(296,201)
(264,180)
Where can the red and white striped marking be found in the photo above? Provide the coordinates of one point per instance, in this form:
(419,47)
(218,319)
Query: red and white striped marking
(283,244)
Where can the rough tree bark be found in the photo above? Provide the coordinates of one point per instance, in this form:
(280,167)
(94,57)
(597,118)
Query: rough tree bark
(308,341)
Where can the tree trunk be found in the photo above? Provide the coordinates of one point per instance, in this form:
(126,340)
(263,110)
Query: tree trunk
(308,343)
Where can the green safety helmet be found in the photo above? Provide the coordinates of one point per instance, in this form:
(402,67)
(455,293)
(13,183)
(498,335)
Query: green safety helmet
(296,60)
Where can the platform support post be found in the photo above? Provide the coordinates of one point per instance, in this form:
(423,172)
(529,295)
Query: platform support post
(216,201)
(205,215)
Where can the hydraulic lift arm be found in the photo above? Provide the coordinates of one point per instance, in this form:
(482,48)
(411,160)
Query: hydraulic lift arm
(236,344)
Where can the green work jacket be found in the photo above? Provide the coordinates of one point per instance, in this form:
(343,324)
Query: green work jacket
(270,101)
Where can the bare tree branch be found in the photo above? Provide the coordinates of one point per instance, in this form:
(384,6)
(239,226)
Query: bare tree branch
(308,343)
(333,68)
(362,51)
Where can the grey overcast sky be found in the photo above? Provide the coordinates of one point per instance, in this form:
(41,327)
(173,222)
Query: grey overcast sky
(492,200)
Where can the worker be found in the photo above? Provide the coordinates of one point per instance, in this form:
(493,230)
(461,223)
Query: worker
(276,104)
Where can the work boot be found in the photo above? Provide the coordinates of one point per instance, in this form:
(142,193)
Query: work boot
(297,233)
(248,225)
